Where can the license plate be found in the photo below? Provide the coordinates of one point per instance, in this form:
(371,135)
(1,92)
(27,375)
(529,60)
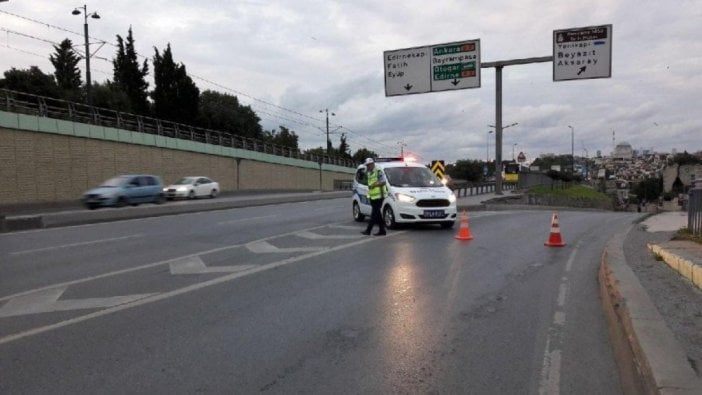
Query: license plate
(433,213)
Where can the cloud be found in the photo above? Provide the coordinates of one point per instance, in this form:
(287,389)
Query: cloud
(289,59)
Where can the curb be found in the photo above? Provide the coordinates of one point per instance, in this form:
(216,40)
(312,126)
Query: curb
(688,269)
(649,358)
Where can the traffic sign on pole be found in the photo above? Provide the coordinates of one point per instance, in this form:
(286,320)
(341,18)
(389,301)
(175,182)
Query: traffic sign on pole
(582,53)
(433,68)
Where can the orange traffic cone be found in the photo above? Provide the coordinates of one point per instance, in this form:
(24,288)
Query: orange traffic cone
(464,231)
(554,239)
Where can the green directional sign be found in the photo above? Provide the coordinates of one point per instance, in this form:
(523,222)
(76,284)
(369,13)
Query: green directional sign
(455,70)
(434,68)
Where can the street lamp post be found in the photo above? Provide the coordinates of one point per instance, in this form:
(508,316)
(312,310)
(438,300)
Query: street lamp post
(572,150)
(93,15)
(326,110)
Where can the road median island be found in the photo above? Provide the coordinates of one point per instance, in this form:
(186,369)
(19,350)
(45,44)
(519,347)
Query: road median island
(649,358)
(81,217)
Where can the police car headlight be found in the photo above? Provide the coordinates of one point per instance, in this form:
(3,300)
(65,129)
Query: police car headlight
(401,197)
(452,198)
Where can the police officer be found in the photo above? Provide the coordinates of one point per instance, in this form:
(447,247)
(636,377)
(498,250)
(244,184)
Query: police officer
(376,194)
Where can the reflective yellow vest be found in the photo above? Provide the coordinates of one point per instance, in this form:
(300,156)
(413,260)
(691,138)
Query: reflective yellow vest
(375,192)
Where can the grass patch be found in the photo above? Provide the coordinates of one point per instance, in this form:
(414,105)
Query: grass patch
(684,234)
(576,191)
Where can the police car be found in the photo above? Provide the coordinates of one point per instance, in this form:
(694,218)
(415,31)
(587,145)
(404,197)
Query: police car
(415,195)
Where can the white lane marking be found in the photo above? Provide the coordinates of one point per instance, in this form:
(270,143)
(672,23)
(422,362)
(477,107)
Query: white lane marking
(151,265)
(551,368)
(562,294)
(559,318)
(264,247)
(551,373)
(569,264)
(188,289)
(244,219)
(195,265)
(316,236)
(46,301)
(75,244)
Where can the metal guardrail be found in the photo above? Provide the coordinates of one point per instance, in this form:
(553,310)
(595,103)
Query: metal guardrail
(694,211)
(25,103)
(470,189)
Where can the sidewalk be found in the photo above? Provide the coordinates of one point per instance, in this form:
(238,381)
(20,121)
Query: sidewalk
(685,257)
(654,355)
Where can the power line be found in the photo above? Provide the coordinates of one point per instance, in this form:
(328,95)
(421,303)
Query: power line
(226,88)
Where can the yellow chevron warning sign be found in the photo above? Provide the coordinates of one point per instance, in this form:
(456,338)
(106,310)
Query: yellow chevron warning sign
(437,166)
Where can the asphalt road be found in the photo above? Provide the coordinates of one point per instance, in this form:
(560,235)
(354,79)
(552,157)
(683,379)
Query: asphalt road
(292,298)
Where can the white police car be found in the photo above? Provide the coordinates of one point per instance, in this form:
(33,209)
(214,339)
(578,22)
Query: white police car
(415,195)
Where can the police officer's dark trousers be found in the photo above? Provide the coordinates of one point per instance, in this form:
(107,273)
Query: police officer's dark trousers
(376,217)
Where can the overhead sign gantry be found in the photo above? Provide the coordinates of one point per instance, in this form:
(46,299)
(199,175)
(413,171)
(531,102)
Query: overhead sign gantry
(578,53)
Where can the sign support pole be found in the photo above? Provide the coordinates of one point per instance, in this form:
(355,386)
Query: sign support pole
(498,109)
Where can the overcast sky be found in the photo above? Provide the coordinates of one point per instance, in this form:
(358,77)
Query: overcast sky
(290,59)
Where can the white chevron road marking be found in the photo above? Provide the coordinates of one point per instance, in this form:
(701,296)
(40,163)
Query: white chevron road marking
(46,301)
(195,265)
(316,236)
(264,247)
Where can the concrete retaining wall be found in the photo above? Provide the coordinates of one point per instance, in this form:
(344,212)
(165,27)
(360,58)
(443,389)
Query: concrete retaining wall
(45,160)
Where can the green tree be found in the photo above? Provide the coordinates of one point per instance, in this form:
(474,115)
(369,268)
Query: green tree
(545,162)
(223,112)
(175,95)
(649,189)
(129,77)
(284,137)
(470,170)
(109,95)
(361,154)
(31,80)
(344,149)
(66,70)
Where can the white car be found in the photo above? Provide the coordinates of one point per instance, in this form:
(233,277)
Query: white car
(191,188)
(415,195)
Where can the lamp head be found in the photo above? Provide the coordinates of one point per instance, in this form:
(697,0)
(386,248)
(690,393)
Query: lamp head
(94,15)
(75,11)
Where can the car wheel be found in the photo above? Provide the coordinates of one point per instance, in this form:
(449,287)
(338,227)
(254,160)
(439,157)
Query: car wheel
(91,206)
(357,216)
(389,218)
(213,194)
(191,195)
(159,199)
(121,201)
(447,225)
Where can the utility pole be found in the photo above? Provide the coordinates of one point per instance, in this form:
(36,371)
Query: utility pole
(326,110)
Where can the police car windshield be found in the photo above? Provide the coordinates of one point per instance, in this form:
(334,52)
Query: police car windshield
(411,177)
